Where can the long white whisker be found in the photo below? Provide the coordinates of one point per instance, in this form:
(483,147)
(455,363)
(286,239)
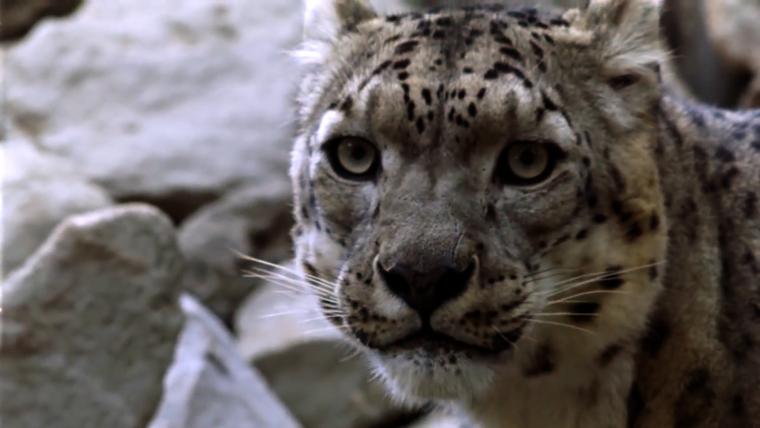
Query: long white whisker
(586,293)
(280,267)
(559,324)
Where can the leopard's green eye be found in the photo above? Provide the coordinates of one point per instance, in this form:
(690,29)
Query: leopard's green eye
(353,158)
(524,163)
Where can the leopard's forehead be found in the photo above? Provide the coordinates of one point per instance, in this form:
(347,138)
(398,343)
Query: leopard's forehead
(479,72)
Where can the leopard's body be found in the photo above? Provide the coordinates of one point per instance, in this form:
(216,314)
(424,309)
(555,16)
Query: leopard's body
(623,289)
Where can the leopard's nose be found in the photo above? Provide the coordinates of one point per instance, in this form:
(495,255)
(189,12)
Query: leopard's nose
(426,291)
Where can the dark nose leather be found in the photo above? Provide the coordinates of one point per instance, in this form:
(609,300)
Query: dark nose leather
(426,291)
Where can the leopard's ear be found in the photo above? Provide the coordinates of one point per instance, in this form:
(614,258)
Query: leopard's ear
(325,19)
(626,36)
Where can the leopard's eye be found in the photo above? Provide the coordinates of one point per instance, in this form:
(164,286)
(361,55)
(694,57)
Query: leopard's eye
(353,158)
(524,163)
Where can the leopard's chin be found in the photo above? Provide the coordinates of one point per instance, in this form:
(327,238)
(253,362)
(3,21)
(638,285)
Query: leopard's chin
(419,375)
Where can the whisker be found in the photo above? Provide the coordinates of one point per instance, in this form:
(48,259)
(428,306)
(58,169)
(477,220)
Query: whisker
(294,285)
(586,293)
(297,279)
(280,267)
(559,324)
(558,314)
(513,344)
(599,277)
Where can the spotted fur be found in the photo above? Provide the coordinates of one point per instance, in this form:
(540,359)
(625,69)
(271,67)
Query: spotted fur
(623,291)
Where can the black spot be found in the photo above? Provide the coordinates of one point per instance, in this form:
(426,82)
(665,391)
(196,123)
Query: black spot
(612,278)
(543,362)
(427,96)
(347,104)
(410,111)
(537,50)
(540,113)
(420,124)
(401,64)
(750,205)
(462,94)
(467,70)
(653,271)
(403,76)
(382,67)
(609,354)
(738,407)
(581,235)
(584,312)
(634,232)
(654,222)
(472,110)
(724,154)
(727,179)
(481,93)
(491,74)
(406,47)
(696,399)
(512,53)
(657,334)
(444,21)
(635,405)
(548,103)
(559,22)
(439,34)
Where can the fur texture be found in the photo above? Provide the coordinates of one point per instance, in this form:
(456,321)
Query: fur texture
(623,290)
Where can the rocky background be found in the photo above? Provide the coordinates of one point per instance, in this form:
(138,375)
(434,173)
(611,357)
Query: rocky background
(145,145)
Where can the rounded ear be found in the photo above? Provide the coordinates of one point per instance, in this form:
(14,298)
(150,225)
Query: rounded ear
(325,19)
(626,34)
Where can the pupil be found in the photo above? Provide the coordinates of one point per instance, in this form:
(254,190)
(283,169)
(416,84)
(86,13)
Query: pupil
(527,157)
(358,152)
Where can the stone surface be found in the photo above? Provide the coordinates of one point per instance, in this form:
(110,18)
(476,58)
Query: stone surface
(170,102)
(19,16)
(253,220)
(734,28)
(90,322)
(39,191)
(441,419)
(210,385)
(325,384)
(707,75)
(276,317)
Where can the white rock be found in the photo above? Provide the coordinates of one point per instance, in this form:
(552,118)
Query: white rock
(152,99)
(253,220)
(210,385)
(39,191)
(326,384)
(442,419)
(90,322)
(276,317)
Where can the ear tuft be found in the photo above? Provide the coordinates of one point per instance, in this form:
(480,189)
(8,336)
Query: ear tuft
(325,19)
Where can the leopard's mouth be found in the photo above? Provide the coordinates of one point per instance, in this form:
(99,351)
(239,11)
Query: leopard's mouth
(433,342)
